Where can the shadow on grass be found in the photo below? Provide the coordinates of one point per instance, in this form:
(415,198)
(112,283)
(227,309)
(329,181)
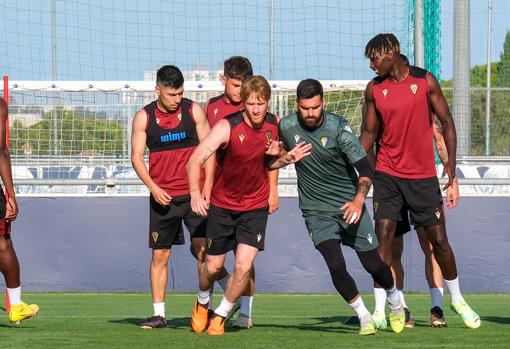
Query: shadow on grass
(331,324)
(496,319)
(182,322)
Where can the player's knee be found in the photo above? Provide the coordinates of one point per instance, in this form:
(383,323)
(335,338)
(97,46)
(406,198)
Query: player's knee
(160,257)
(440,244)
(242,269)
(213,269)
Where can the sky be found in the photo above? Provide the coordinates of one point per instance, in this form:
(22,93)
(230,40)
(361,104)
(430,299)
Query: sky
(119,40)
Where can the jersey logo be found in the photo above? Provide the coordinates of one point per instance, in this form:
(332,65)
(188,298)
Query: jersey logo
(241,138)
(324,141)
(369,238)
(209,243)
(348,128)
(215,111)
(414,88)
(438,213)
(259,237)
(155,236)
(157,121)
(385,92)
(376,206)
(268,135)
(179,116)
(297,137)
(173,137)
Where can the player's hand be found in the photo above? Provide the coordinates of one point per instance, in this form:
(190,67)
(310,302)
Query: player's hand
(273,201)
(452,194)
(450,171)
(300,151)
(206,192)
(160,196)
(199,205)
(273,147)
(11,211)
(352,211)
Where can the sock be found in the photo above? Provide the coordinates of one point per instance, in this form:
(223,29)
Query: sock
(436,297)
(394,300)
(380,300)
(14,295)
(359,307)
(402,299)
(246,304)
(159,309)
(454,289)
(224,308)
(223,282)
(204,296)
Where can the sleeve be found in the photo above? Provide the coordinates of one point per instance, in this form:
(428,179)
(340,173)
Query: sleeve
(349,144)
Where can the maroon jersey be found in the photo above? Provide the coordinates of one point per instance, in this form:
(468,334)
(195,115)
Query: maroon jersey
(171,138)
(241,179)
(219,107)
(405,133)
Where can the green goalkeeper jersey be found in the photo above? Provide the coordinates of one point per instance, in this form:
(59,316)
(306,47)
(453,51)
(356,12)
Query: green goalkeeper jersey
(326,178)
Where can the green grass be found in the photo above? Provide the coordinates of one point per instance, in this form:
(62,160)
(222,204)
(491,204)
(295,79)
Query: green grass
(99,320)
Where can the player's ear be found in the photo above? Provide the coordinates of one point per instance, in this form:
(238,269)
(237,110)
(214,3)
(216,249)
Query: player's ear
(223,79)
(158,90)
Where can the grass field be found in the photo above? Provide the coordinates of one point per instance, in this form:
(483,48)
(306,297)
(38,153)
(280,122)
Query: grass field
(98,320)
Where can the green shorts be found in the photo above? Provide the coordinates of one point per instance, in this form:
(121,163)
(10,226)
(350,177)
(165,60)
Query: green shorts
(324,226)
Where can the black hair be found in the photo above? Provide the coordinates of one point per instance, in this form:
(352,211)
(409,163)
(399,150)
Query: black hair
(169,76)
(309,88)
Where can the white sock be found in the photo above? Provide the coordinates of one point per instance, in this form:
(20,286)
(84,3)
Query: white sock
(394,300)
(402,298)
(159,309)
(436,297)
(224,308)
(246,304)
(359,307)
(380,300)
(454,289)
(204,296)
(14,295)
(223,282)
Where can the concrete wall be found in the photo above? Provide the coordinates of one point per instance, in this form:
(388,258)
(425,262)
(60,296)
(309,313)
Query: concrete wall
(101,244)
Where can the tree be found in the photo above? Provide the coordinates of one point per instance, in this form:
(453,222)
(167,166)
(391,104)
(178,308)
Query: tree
(504,62)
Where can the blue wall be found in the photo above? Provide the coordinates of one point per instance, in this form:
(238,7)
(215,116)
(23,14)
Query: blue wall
(101,244)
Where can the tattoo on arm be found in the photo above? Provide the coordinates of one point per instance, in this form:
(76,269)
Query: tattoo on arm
(364,186)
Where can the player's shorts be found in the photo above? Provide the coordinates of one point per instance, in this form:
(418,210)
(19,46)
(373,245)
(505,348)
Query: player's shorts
(165,225)
(324,226)
(5,227)
(421,196)
(403,226)
(228,228)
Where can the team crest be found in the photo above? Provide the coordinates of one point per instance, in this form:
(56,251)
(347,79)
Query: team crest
(155,235)
(215,111)
(268,135)
(241,138)
(296,138)
(324,141)
(209,243)
(259,237)
(414,88)
(438,213)
(385,92)
(179,116)
(369,238)
(376,206)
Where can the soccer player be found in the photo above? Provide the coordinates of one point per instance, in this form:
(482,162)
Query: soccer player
(9,264)
(236,70)
(171,128)
(332,199)
(399,104)
(237,214)
(432,271)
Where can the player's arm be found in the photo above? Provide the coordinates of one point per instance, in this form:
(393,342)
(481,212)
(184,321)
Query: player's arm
(369,121)
(5,166)
(202,127)
(219,134)
(440,108)
(273,200)
(138,140)
(370,153)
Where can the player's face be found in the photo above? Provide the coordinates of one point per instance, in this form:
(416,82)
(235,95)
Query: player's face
(381,63)
(255,108)
(310,111)
(170,98)
(232,89)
